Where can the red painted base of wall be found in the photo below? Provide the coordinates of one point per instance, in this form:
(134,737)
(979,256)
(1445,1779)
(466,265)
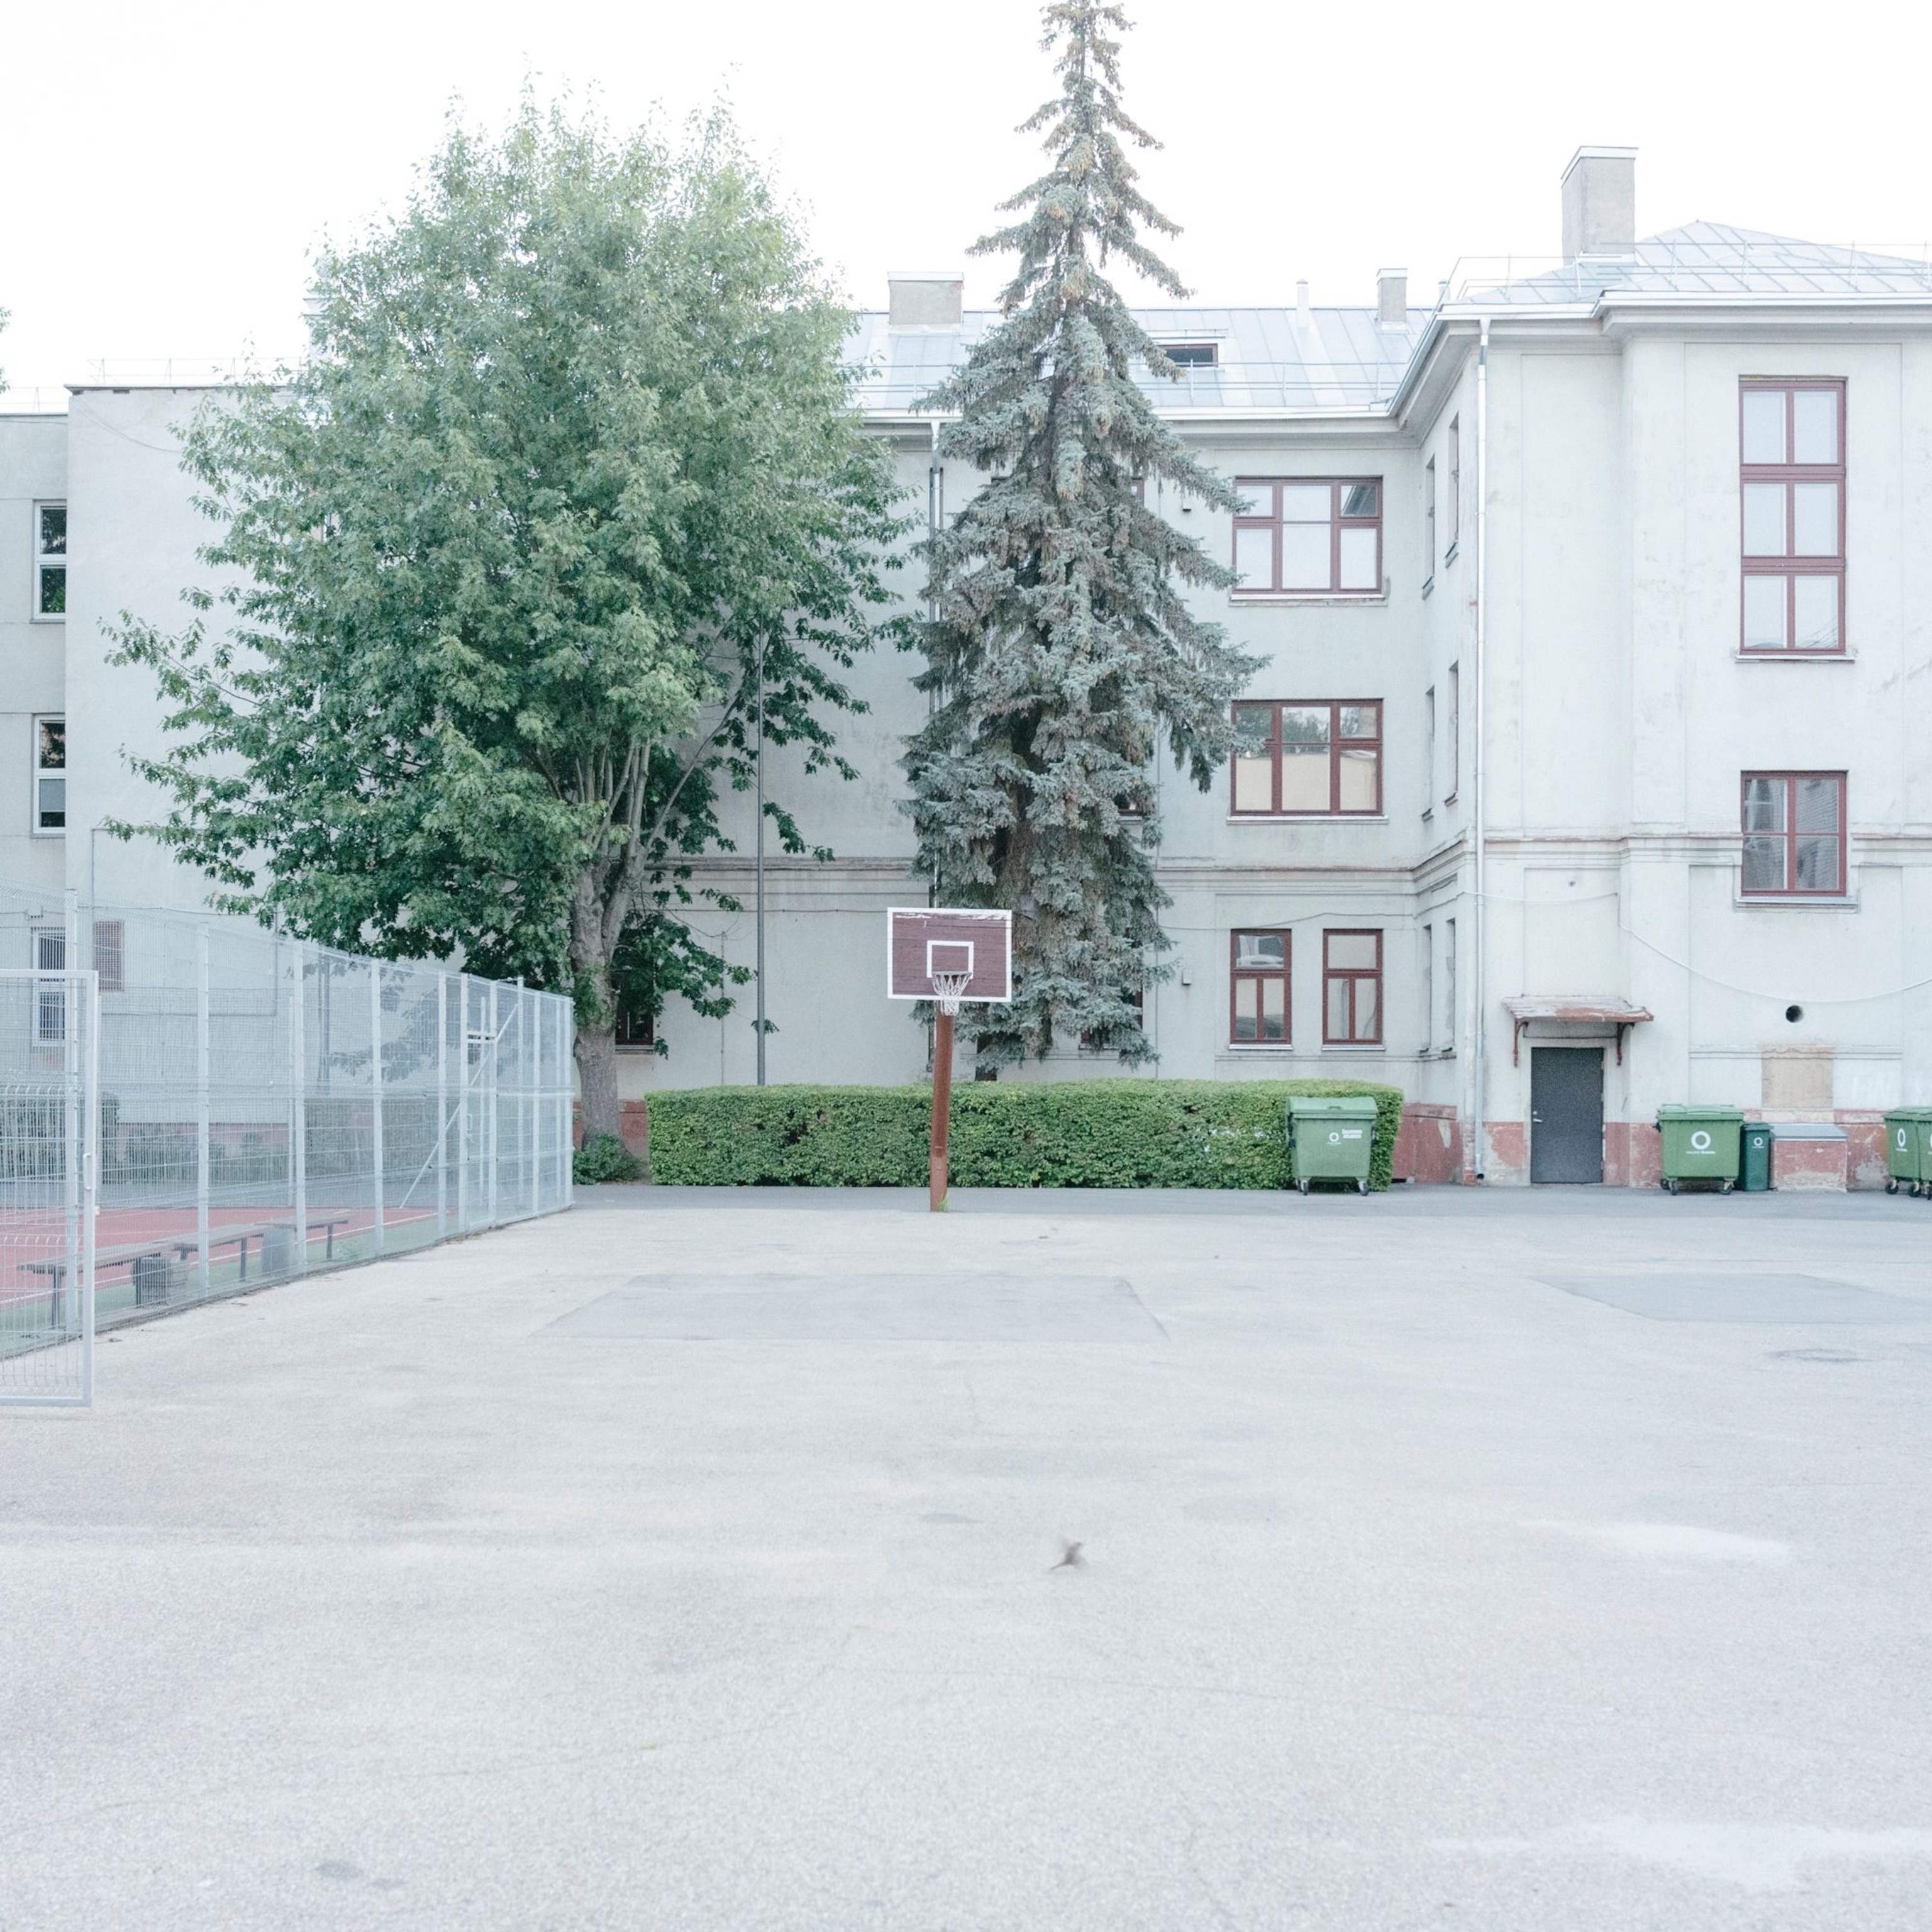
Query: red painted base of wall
(634,1127)
(1429,1149)
(1633,1154)
(1796,1165)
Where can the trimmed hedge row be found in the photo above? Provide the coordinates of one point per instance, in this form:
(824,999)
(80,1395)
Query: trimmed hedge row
(1087,1133)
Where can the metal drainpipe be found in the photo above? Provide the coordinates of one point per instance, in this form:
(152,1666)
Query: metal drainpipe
(1478,801)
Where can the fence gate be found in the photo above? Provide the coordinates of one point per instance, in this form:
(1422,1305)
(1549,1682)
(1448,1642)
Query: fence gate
(49,1122)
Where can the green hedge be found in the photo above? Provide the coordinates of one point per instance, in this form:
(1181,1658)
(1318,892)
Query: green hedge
(1087,1133)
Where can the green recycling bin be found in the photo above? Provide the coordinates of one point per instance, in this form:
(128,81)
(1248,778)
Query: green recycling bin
(1331,1139)
(1908,1141)
(1756,1177)
(1700,1144)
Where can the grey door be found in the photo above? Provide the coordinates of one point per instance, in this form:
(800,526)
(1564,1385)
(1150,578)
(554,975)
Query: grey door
(1566,1113)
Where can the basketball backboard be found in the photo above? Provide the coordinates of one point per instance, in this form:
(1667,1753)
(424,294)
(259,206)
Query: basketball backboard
(924,943)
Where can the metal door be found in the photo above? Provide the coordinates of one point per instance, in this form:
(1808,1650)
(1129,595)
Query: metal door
(1566,1114)
(50,1082)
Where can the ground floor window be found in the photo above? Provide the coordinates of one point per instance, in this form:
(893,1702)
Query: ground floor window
(1794,832)
(1259,992)
(1351,989)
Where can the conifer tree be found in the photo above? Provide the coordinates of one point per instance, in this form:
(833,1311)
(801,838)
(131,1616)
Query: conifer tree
(1062,648)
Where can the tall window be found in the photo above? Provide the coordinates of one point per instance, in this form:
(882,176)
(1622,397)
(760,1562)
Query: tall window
(1455,479)
(49,560)
(637,1025)
(1449,1017)
(49,774)
(1429,519)
(1794,828)
(1428,750)
(1351,989)
(110,954)
(1428,988)
(1454,746)
(1309,534)
(1311,760)
(50,1001)
(1792,442)
(1257,994)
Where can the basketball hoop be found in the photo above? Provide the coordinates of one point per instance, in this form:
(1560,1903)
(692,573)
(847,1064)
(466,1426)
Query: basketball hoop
(948,990)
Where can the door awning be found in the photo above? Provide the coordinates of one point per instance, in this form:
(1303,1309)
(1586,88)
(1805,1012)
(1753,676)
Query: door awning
(1572,1010)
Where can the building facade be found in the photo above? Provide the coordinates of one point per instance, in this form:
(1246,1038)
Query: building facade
(1585,770)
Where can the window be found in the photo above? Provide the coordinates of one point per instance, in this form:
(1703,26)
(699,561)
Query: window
(1314,760)
(50,1001)
(1792,444)
(1258,994)
(1429,521)
(1455,479)
(1428,988)
(1448,986)
(49,774)
(637,1024)
(49,561)
(1309,534)
(110,954)
(1428,750)
(1454,747)
(1351,989)
(1190,354)
(1794,828)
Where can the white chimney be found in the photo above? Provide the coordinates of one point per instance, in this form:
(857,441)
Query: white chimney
(925,298)
(1600,202)
(1304,316)
(1392,297)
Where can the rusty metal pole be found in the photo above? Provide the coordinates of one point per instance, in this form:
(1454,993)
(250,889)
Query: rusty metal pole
(942,1107)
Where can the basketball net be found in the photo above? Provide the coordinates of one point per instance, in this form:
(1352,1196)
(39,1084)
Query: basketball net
(948,990)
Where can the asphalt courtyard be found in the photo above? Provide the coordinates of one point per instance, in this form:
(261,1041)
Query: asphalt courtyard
(1550,1561)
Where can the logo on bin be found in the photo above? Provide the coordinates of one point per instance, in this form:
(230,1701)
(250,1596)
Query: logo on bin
(1700,1142)
(1334,1134)
(1899,1140)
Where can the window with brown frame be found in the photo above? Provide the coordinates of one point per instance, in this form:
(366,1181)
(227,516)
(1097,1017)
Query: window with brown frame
(1258,1005)
(1794,835)
(1792,451)
(1313,759)
(1309,534)
(637,1024)
(1351,989)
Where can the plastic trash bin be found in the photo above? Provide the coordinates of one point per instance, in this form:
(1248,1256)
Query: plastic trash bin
(1755,1176)
(1700,1144)
(1908,1135)
(1331,1139)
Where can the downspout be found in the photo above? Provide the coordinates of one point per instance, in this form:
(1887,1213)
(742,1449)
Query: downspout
(1478,798)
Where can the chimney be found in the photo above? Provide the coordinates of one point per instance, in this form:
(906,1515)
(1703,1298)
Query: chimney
(1600,202)
(920,299)
(1304,316)
(1392,297)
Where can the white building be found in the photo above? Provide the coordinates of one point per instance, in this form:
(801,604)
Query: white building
(1584,772)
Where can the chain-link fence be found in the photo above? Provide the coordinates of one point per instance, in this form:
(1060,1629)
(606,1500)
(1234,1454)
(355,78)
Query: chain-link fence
(268,1108)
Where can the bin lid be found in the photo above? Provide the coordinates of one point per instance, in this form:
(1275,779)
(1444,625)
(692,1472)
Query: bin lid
(1673,1110)
(1909,1113)
(1343,1106)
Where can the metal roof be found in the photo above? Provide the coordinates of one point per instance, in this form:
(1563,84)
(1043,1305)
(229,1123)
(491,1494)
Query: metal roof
(1342,359)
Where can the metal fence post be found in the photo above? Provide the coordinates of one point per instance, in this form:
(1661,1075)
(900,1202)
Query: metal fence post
(64,1316)
(462,1108)
(442,1104)
(529,1061)
(491,1124)
(376,1092)
(298,1104)
(89,1001)
(201,1103)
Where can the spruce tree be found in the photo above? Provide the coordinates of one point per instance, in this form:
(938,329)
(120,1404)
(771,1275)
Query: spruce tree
(1062,647)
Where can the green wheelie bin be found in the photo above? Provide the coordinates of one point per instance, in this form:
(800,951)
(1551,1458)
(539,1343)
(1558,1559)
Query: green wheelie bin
(1331,1139)
(1700,1144)
(1908,1140)
(1756,1178)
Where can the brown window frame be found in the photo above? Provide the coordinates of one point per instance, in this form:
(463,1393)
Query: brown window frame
(1337,745)
(1790,566)
(1237,974)
(1337,523)
(634,1026)
(1353,974)
(1790,835)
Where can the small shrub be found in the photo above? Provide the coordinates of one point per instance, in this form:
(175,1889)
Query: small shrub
(1086,1133)
(604,1157)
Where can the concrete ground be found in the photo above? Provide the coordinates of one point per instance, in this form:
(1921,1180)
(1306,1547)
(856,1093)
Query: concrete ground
(1525,1562)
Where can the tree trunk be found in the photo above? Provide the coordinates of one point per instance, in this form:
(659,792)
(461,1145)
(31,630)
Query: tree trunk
(597,1078)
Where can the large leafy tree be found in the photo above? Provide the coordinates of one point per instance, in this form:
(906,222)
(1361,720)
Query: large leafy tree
(1063,647)
(569,473)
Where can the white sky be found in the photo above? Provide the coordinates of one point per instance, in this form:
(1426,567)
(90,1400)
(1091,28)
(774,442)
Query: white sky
(167,167)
